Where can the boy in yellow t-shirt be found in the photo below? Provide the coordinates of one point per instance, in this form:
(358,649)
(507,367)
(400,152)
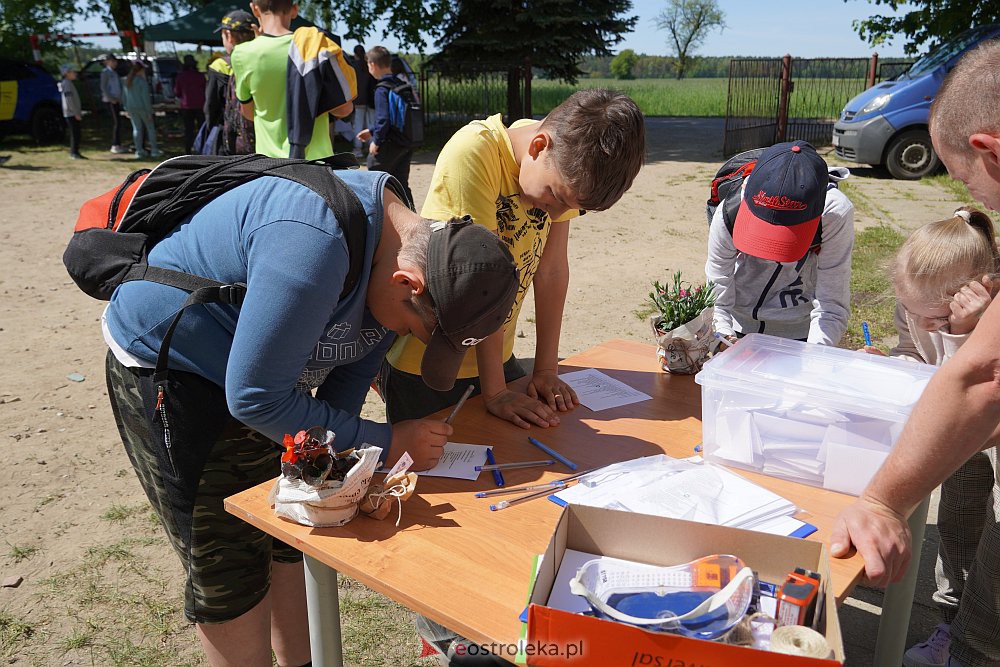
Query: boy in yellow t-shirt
(523,182)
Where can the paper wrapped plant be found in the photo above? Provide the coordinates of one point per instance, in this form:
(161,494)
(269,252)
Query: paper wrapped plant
(682,324)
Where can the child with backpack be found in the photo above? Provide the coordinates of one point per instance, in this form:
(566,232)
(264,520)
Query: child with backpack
(392,144)
(779,248)
(943,284)
(222,109)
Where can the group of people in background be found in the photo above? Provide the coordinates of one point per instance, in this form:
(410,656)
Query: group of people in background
(240,104)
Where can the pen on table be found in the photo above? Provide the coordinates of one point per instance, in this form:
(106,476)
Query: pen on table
(512,466)
(554,454)
(497,475)
(504,504)
(723,339)
(867,333)
(461,402)
(555,484)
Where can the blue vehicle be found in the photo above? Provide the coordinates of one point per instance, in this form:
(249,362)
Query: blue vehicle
(29,102)
(887,124)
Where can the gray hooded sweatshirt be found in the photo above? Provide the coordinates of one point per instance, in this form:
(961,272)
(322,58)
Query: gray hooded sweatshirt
(809,299)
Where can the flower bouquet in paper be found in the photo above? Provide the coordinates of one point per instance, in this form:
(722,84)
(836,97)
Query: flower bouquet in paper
(682,324)
(320,486)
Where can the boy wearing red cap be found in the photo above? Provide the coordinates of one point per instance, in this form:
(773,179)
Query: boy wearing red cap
(783,265)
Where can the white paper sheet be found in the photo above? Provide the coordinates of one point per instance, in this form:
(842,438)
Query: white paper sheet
(663,486)
(597,391)
(459,461)
(848,469)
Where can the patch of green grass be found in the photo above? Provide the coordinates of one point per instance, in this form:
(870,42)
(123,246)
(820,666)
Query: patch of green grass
(18,553)
(119,513)
(13,634)
(953,187)
(872,297)
(76,640)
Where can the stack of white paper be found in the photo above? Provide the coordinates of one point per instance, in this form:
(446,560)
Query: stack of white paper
(598,391)
(829,448)
(683,489)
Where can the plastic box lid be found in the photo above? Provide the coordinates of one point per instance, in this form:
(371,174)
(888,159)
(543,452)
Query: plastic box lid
(827,376)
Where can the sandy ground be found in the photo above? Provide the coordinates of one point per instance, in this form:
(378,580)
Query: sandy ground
(64,465)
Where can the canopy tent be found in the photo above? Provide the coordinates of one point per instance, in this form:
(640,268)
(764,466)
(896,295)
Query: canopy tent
(199,26)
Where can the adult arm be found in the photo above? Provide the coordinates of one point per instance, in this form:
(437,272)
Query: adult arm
(720,269)
(957,413)
(832,301)
(550,283)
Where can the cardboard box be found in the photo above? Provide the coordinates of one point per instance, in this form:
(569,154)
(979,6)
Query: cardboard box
(660,541)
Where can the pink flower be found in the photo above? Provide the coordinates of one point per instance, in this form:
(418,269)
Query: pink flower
(697,290)
(683,293)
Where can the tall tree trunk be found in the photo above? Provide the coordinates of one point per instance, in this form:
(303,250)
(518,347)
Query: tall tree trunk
(121,12)
(515,105)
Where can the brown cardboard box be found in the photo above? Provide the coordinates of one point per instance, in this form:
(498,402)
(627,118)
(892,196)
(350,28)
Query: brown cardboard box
(560,638)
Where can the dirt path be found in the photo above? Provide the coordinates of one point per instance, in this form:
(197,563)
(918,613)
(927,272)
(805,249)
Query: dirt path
(100,584)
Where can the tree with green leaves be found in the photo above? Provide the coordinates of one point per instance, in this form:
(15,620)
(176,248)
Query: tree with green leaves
(687,23)
(553,35)
(20,18)
(623,65)
(927,22)
(409,21)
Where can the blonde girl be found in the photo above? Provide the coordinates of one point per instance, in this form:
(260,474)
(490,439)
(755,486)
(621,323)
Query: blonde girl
(944,281)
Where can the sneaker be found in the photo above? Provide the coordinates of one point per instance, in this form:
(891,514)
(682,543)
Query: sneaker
(933,652)
(118,150)
(140,156)
(77,156)
(156,154)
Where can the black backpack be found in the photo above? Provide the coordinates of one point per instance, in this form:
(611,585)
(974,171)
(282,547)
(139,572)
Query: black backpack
(115,231)
(726,191)
(406,118)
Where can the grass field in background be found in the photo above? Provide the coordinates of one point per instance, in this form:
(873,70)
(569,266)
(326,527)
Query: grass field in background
(656,97)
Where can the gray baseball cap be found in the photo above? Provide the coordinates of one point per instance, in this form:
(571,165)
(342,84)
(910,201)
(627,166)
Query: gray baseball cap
(472,280)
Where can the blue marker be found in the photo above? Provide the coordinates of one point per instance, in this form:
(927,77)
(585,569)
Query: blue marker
(867,333)
(554,454)
(497,475)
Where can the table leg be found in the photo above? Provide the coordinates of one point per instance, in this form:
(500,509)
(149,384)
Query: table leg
(891,642)
(323,602)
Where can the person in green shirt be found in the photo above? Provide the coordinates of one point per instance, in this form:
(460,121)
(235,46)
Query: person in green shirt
(261,70)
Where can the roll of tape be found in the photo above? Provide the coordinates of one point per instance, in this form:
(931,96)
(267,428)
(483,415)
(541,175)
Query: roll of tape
(800,640)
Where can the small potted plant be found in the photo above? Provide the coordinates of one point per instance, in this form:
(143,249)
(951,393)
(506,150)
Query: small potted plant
(682,324)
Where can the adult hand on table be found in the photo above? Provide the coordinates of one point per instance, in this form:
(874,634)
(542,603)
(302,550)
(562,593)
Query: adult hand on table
(423,438)
(521,409)
(880,535)
(546,386)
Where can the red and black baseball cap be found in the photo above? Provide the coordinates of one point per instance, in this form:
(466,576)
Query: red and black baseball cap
(472,280)
(782,203)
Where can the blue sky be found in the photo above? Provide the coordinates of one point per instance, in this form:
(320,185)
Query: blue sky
(803,28)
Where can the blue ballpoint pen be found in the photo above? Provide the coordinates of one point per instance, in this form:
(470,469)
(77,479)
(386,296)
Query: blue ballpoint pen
(554,454)
(497,475)
(867,333)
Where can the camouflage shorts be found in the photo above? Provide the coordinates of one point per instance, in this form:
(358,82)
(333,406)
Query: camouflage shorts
(205,457)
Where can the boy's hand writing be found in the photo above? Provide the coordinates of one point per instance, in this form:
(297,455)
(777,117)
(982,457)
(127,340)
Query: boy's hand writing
(968,305)
(546,386)
(521,409)
(423,438)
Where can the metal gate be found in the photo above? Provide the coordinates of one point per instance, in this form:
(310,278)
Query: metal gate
(454,96)
(786,99)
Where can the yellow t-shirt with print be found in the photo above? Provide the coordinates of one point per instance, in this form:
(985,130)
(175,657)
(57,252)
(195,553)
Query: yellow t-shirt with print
(476,174)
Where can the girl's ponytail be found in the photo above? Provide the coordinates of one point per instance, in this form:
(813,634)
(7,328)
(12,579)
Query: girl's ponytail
(982,223)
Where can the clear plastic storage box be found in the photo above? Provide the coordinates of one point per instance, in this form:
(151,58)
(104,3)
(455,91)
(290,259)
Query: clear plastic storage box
(809,413)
